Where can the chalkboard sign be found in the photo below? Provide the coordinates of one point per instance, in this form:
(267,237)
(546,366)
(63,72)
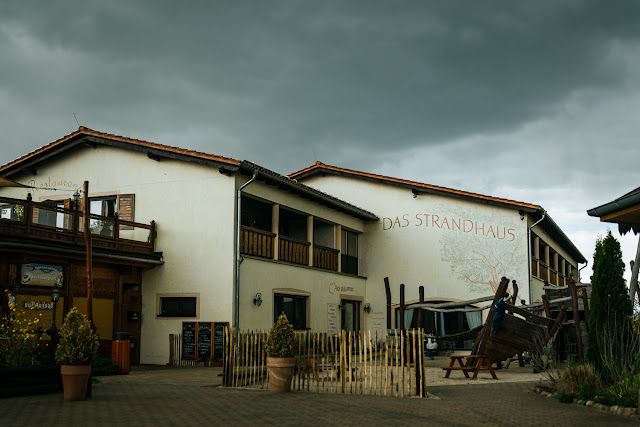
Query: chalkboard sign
(188,340)
(218,340)
(204,340)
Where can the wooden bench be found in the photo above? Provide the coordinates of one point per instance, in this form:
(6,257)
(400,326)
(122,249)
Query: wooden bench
(478,363)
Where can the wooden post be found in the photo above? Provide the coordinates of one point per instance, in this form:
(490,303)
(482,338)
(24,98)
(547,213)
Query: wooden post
(585,308)
(387,289)
(481,341)
(87,243)
(421,299)
(28,214)
(576,316)
(545,303)
(558,322)
(401,307)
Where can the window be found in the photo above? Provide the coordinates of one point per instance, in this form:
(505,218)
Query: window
(51,218)
(349,252)
(178,307)
(294,307)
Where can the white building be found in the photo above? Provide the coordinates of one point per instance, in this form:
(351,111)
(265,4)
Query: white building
(317,245)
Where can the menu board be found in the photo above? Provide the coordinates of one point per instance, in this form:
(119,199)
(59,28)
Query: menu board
(218,340)
(189,340)
(204,340)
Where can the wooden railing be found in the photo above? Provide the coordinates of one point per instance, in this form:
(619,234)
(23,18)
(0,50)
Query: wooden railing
(534,266)
(543,270)
(41,221)
(324,257)
(256,242)
(365,362)
(293,251)
(553,277)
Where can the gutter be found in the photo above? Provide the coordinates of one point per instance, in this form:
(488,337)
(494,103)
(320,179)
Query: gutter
(544,213)
(83,253)
(239,258)
(616,205)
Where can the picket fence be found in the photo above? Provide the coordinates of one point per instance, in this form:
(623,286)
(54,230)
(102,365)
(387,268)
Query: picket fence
(390,364)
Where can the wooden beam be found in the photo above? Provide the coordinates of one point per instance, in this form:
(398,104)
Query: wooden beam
(616,216)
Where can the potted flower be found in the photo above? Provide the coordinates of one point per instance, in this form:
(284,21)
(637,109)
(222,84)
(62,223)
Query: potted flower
(281,351)
(77,348)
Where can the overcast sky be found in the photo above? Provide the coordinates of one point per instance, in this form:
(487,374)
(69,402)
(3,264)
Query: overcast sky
(537,101)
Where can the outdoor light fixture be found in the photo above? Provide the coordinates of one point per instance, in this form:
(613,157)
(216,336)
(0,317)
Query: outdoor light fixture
(415,193)
(367,308)
(76,198)
(258,299)
(521,215)
(53,330)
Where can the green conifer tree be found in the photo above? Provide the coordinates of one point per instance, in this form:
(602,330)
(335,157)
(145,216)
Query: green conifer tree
(610,307)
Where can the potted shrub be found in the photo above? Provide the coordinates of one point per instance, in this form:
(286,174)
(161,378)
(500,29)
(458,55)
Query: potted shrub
(281,351)
(77,348)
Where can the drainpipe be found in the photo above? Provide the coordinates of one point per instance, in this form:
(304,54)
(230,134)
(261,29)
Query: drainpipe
(580,269)
(239,258)
(544,213)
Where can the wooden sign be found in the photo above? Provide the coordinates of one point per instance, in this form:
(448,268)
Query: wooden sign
(189,340)
(204,340)
(218,340)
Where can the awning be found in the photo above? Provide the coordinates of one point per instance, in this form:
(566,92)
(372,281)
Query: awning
(4,182)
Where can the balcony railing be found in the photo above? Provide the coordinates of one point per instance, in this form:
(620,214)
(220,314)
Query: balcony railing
(256,242)
(292,250)
(553,277)
(326,258)
(40,221)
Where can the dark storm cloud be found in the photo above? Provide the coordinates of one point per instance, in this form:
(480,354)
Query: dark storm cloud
(307,77)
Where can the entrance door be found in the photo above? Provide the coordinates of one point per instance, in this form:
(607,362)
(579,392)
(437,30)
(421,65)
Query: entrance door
(350,315)
(130,307)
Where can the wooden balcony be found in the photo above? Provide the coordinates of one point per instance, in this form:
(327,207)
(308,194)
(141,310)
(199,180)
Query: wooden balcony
(326,258)
(543,271)
(256,242)
(293,251)
(534,266)
(32,222)
(553,277)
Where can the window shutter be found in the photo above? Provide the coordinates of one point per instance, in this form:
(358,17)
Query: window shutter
(126,209)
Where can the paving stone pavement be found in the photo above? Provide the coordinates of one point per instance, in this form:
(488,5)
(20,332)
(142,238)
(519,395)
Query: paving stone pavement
(192,397)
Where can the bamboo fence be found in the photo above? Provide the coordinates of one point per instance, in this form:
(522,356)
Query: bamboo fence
(353,362)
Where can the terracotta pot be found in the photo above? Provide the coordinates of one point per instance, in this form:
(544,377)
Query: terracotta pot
(280,373)
(74,381)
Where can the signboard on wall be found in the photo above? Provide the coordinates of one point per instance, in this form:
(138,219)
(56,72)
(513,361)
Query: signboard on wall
(189,340)
(204,340)
(332,318)
(41,275)
(218,340)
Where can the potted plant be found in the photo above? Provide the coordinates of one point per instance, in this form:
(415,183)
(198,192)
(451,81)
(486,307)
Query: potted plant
(77,348)
(281,351)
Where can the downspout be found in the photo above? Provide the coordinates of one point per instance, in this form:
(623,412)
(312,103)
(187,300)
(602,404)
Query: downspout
(580,269)
(544,213)
(239,258)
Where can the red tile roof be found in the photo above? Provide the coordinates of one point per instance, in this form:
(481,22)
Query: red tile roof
(320,167)
(90,132)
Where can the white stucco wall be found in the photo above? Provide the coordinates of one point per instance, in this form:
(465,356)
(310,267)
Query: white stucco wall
(193,206)
(456,249)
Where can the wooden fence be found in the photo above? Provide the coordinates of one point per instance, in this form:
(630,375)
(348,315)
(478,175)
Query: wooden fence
(357,363)
(175,352)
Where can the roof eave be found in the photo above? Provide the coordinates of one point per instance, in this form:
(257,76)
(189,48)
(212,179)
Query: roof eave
(314,195)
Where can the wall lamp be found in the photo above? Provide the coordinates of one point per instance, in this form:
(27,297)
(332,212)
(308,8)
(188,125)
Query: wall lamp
(76,198)
(415,193)
(367,308)
(258,299)
(521,215)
